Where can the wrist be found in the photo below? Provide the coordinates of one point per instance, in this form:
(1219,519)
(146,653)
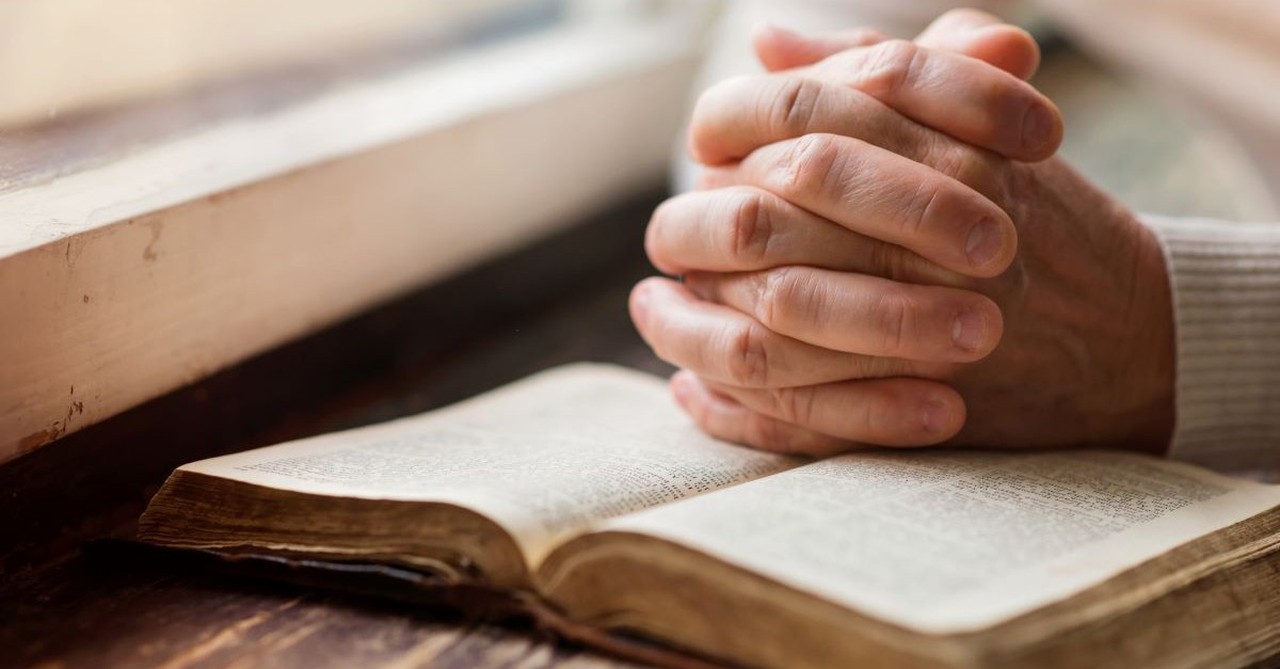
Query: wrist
(1151,382)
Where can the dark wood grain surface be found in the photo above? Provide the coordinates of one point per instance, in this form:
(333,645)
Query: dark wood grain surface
(104,612)
(559,301)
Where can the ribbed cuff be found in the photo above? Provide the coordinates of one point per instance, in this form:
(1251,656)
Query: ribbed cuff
(1226,291)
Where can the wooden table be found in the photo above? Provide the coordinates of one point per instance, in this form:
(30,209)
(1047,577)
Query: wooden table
(60,606)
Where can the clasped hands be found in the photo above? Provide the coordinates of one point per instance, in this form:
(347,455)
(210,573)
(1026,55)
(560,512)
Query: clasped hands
(883,250)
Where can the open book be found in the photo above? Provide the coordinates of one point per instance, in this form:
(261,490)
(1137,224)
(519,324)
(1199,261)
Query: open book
(586,486)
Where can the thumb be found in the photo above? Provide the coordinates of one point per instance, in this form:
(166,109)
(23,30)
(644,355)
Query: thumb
(965,31)
(782,49)
(980,35)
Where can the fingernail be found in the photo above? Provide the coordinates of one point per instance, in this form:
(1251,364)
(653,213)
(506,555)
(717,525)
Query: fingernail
(983,243)
(1037,127)
(934,419)
(969,330)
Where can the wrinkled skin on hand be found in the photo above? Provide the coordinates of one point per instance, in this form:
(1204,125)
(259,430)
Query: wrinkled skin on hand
(884,252)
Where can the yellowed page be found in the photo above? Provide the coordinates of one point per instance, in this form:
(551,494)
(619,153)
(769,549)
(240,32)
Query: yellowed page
(954,541)
(544,457)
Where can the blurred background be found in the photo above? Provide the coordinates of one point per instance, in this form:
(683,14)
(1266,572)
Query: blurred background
(1171,105)
(211,179)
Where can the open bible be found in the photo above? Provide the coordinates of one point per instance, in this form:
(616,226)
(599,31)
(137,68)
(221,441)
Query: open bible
(588,491)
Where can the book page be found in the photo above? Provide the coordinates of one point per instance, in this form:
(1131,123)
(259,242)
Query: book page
(951,541)
(544,457)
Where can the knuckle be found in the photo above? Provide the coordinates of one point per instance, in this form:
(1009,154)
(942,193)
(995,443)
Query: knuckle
(974,168)
(793,405)
(792,111)
(783,295)
(751,227)
(748,357)
(893,66)
(810,166)
(896,317)
(919,210)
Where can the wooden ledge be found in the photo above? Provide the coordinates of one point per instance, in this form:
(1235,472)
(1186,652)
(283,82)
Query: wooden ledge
(124,281)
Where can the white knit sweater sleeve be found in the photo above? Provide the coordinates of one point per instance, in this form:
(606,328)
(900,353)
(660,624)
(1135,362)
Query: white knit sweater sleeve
(1226,291)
